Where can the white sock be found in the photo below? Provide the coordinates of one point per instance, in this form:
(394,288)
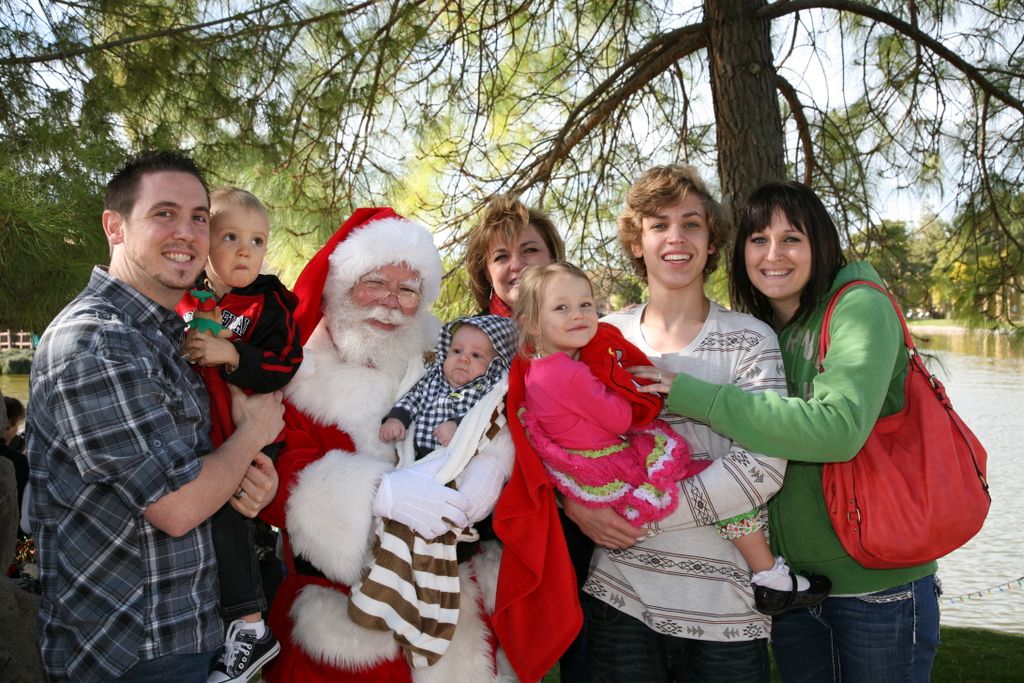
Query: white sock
(778,578)
(258,626)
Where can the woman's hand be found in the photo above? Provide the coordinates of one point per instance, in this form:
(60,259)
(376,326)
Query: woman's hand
(603,526)
(662,378)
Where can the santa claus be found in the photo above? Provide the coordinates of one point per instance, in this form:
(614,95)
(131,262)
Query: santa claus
(364,315)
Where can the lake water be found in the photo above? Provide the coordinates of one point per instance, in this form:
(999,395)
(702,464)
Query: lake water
(15,385)
(984,376)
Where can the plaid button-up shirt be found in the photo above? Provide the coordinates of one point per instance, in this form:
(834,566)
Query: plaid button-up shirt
(117,419)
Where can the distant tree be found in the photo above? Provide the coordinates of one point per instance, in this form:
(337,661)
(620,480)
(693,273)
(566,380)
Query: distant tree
(886,245)
(432,106)
(47,245)
(978,273)
(927,241)
(903,257)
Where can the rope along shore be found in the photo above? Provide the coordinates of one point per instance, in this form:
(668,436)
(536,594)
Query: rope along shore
(1016,584)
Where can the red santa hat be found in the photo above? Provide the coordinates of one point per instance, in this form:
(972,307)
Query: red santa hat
(370,239)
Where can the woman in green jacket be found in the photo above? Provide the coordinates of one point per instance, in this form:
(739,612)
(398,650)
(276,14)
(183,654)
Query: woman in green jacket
(878,624)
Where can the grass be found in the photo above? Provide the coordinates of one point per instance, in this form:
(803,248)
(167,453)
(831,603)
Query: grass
(975,655)
(966,655)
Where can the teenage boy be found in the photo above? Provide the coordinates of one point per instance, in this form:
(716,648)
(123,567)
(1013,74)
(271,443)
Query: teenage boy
(673,602)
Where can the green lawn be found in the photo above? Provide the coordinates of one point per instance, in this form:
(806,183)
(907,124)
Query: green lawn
(966,655)
(974,655)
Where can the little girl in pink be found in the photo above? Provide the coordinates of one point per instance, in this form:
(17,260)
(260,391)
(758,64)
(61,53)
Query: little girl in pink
(599,437)
(580,401)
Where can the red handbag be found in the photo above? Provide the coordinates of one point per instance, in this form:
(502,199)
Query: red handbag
(917,489)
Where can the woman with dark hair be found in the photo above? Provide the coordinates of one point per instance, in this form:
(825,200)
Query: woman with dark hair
(878,624)
(805,212)
(510,237)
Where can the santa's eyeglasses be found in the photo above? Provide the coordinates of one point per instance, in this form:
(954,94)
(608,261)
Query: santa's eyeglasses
(378,291)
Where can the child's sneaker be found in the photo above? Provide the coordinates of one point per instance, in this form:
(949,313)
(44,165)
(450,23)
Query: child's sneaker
(244,653)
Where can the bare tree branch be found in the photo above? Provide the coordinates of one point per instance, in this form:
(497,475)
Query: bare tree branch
(802,126)
(784,7)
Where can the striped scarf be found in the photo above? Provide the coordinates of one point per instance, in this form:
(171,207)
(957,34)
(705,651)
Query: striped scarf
(411,586)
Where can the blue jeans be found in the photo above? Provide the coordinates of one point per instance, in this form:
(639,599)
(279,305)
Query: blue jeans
(891,635)
(186,668)
(622,649)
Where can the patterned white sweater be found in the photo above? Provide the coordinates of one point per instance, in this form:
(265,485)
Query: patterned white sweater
(684,580)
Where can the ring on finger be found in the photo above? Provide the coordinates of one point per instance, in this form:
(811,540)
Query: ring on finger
(659,378)
(239,494)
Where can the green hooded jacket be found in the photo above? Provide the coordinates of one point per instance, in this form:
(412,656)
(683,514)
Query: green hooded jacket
(826,419)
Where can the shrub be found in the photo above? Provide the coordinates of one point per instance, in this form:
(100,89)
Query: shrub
(15,361)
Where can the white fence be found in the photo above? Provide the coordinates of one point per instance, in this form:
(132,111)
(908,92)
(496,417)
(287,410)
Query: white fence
(10,339)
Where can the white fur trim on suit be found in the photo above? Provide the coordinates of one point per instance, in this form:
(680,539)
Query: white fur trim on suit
(329,516)
(352,397)
(323,630)
(468,659)
(321,626)
(488,562)
(384,242)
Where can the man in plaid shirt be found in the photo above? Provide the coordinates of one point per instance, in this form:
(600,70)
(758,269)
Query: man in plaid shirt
(123,477)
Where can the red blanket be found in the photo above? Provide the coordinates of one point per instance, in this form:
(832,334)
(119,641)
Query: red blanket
(537,591)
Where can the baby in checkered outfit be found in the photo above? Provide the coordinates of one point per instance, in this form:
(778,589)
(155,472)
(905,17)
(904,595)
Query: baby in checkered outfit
(473,354)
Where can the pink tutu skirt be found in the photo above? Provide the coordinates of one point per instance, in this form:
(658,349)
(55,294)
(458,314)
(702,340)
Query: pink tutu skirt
(638,477)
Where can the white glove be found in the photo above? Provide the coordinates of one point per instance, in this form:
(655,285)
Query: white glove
(481,483)
(413,497)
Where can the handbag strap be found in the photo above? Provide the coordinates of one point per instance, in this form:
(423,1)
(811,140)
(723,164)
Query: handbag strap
(824,338)
(914,358)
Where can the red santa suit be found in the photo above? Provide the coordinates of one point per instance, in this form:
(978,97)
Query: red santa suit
(331,467)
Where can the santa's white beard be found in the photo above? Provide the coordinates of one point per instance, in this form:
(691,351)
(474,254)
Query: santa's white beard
(359,342)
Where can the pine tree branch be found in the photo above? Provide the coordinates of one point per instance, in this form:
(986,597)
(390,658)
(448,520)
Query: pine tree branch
(637,71)
(784,7)
(61,55)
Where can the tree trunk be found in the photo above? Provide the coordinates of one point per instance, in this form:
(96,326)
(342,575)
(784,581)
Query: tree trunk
(749,126)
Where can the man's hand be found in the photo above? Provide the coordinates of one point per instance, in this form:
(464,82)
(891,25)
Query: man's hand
(445,431)
(260,416)
(392,430)
(413,497)
(258,487)
(604,526)
(204,349)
